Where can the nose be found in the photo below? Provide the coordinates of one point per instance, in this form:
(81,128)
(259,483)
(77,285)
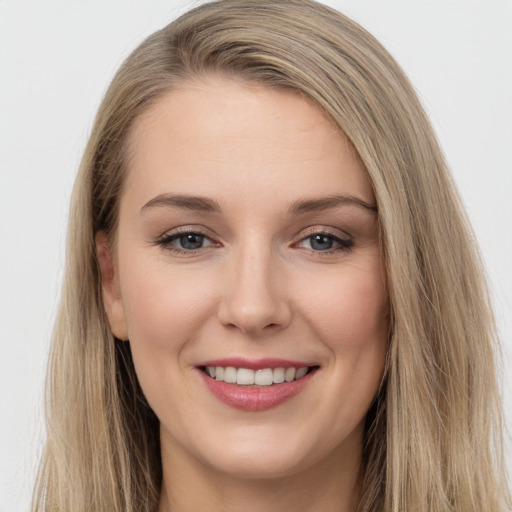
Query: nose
(254,296)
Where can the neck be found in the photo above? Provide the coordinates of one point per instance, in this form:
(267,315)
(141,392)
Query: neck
(332,485)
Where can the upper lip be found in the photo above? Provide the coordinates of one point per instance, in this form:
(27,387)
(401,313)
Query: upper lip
(256,364)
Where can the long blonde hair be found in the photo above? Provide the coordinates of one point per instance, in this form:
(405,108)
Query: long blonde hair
(434,430)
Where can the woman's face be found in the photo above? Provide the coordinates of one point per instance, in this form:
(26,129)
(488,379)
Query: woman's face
(248,242)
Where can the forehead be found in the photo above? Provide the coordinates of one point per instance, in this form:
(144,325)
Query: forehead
(220,135)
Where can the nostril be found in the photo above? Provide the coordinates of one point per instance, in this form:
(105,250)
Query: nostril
(253,314)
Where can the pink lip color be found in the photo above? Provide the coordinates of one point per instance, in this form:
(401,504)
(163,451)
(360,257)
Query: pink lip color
(255,398)
(258,364)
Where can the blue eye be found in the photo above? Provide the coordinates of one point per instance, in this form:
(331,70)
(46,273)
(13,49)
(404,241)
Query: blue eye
(322,242)
(184,242)
(190,241)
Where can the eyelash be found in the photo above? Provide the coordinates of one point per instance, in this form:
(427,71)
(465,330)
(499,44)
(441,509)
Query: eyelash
(344,244)
(166,240)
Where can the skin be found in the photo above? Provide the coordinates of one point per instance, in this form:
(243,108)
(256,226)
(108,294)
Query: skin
(256,288)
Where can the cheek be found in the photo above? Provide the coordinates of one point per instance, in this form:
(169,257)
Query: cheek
(352,321)
(350,309)
(164,306)
(166,309)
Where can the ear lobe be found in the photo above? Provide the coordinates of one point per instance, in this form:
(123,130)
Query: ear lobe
(110,287)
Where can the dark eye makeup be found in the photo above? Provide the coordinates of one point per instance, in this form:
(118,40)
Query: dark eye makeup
(192,241)
(185,241)
(325,242)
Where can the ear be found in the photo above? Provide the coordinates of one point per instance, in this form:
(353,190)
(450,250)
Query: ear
(110,287)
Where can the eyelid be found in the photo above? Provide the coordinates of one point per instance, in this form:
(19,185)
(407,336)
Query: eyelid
(343,239)
(320,229)
(164,240)
(185,229)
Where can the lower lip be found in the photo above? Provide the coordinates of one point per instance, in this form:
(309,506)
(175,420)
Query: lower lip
(255,398)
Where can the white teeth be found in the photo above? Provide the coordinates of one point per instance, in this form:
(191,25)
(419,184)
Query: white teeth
(230,375)
(245,376)
(278,375)
(289,374)
(301,372)
(263,377)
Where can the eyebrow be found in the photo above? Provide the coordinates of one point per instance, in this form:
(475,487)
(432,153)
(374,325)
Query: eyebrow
(195,203)
(207,205)
(325,203)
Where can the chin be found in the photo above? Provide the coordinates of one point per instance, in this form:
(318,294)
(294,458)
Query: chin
(261,463)
(269,452)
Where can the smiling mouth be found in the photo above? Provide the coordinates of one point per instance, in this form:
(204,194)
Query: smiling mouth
(264,377)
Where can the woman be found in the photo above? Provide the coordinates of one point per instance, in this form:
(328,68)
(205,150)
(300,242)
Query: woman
(271,288)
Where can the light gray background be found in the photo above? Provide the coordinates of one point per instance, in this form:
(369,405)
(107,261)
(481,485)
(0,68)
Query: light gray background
(56,59)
